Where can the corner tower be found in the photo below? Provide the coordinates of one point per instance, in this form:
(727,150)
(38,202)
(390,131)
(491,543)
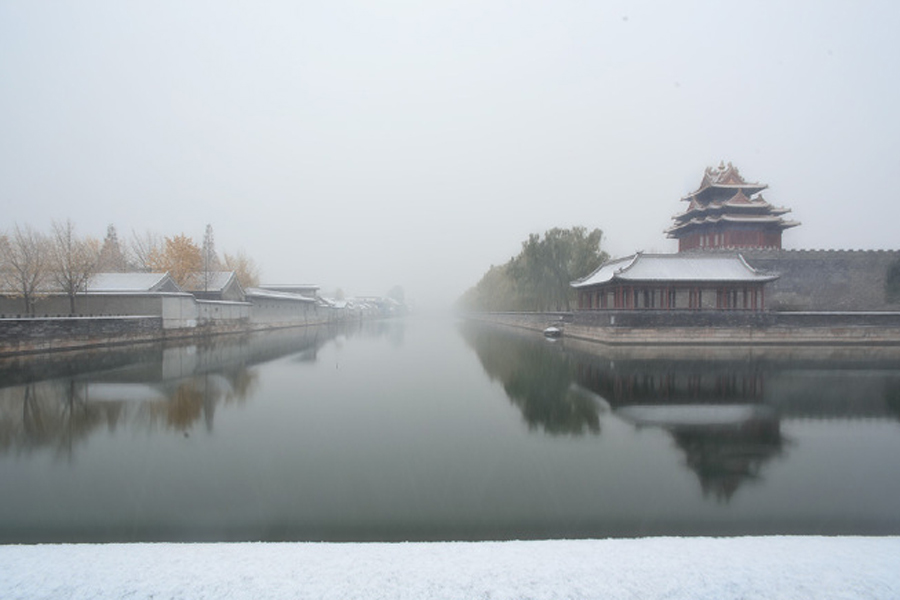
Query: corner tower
(728,212)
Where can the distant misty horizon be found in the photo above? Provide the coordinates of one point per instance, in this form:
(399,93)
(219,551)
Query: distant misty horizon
(360,146)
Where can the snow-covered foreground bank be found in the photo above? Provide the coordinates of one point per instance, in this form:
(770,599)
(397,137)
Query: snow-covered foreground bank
(672,568)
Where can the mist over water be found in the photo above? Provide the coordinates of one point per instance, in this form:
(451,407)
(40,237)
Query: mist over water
(426,428)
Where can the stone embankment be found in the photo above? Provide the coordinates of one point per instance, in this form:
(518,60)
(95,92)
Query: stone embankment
(31,335)
(48,334)
(129,318)
(715,328)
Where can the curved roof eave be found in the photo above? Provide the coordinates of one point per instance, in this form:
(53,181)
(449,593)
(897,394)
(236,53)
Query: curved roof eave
(728,186)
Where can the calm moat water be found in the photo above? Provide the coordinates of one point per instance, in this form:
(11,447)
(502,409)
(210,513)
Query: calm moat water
(427,429)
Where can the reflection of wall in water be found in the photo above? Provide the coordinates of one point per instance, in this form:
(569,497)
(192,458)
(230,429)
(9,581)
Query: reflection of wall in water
(714,410)
(724,457)
(795,388)
(63,399)
(52,414)
(834,391)
(644,382)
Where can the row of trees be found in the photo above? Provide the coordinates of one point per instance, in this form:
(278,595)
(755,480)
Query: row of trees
(538,277)
(33,263)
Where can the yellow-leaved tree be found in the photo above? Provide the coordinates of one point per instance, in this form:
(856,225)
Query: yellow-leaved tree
(181,257)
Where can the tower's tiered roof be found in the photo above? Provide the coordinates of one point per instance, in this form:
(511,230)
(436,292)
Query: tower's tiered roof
(726,201)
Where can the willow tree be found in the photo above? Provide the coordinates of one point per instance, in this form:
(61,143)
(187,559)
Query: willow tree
(547,265)
(538,277)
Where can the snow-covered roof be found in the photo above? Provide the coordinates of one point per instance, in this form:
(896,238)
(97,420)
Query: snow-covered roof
(131,283)
(755,219)
(739,201)
(216,281)
(331,302)
(273,295)
(727,178)
(292,288)
(675,267)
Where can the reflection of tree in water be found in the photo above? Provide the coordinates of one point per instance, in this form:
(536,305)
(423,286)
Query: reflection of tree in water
(198,397)
(51,415)
(184,406)
(641,382)
(58,399)
(60,413)
(537,378)
(244,382)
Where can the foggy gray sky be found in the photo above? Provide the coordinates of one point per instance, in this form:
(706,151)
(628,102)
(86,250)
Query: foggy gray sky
(367,144)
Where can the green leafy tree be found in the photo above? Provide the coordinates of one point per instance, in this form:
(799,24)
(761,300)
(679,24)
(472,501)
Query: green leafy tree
(496,291)
(550,263)
(539,277)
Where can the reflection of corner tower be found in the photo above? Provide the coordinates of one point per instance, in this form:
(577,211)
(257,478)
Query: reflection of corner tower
(728,212)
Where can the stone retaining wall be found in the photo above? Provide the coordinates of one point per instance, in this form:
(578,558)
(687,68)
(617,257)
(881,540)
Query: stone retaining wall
(46,334)
(734,319)
(23,336)
(715,328)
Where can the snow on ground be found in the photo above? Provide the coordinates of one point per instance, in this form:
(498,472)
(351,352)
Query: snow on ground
(671,568)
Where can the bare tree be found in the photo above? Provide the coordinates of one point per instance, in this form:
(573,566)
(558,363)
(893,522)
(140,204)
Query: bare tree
(145,250)
(25,264)
(74,260)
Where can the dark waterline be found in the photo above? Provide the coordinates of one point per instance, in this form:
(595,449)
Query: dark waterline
(428,429)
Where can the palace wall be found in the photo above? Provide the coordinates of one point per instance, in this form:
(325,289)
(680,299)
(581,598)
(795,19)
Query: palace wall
(109,319)
(177,310)
(826,280)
